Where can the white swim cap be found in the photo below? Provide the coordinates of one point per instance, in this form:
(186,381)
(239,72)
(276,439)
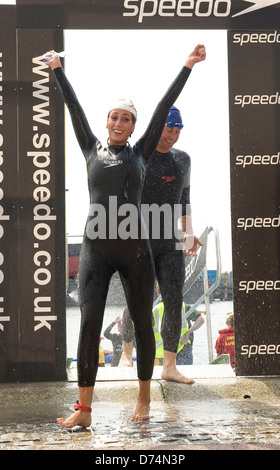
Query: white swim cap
(125,103)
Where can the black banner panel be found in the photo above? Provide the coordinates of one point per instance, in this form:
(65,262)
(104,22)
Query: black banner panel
(254,90)
(42,351)
(8,197)
(147,14)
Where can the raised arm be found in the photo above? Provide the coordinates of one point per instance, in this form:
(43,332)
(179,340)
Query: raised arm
(85,136)
(153,132)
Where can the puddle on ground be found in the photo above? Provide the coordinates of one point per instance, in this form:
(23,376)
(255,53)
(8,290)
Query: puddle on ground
(188,423)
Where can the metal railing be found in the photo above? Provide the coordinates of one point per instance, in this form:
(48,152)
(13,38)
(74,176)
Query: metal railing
(207,292)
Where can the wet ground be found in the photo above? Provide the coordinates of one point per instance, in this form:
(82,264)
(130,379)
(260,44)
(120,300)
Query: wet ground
(171,427)
(214,413)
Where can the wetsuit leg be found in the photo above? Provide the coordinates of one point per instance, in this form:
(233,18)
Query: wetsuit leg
(170,272)
(94,278)
(138,283)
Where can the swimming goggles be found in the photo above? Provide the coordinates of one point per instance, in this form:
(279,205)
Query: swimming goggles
(174,124)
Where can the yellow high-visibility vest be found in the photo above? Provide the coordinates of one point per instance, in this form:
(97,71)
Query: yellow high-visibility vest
(158,315)
(101,356)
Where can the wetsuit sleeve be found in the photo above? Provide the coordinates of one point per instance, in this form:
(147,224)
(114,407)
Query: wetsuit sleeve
(81,127)
(107,333)
(153,132)
(185,198)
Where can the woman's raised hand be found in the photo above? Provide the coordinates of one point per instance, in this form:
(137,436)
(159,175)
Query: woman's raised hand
(197,55)
(52,59)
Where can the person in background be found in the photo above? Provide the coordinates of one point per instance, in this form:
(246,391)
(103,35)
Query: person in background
(116,339)
(194,322)
(225,340)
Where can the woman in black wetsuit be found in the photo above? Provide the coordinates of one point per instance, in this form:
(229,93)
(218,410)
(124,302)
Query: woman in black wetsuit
(116,172)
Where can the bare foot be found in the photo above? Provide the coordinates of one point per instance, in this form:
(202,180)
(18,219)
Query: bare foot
(142,410)
(125,361)
(174,375)
(79,418)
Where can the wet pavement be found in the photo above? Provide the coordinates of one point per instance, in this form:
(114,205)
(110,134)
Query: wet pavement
(218,412)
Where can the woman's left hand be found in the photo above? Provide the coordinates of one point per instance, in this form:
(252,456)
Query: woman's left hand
(197,55)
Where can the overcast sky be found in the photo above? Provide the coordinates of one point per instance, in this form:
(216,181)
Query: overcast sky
(105,65)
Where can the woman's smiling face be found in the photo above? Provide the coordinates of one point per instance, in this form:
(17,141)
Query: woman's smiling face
(120,125)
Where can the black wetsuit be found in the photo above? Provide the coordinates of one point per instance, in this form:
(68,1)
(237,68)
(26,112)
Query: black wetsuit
(167,182)
(119,172)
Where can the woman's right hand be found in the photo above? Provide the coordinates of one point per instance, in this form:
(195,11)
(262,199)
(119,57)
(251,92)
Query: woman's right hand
(53,59)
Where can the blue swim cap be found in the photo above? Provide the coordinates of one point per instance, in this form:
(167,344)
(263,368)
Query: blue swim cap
(174,118)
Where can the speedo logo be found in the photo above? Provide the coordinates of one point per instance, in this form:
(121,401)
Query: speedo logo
(258,5)
(167,179)
(258,222)
(259,349)
(110,163)
(189,8)
(256,38)
(260,285)
(245,100)
(248,160)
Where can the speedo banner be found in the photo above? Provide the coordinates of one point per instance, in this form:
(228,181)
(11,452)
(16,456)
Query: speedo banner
(148,14)
(41,232)
(9,283)
(254,90)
